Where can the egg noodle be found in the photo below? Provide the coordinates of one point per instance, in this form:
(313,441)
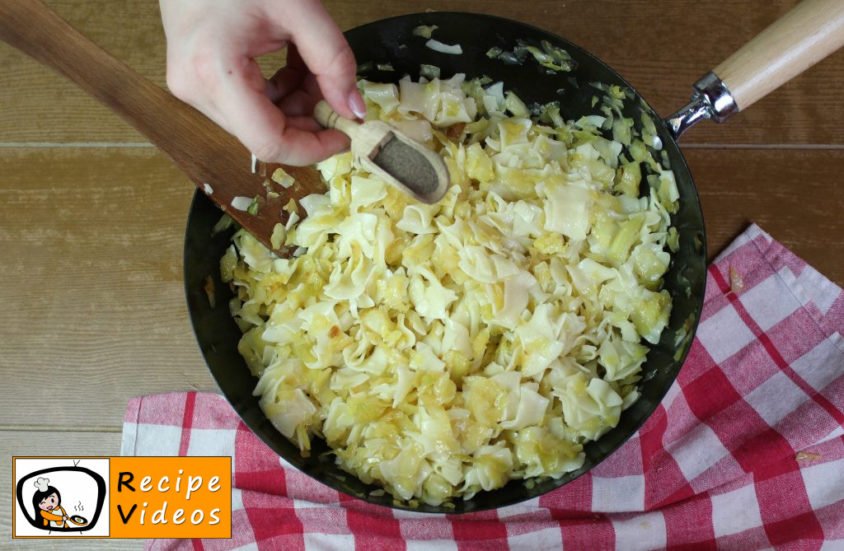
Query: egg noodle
(445,349)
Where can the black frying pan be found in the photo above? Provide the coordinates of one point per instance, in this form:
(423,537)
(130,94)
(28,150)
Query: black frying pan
(391,41)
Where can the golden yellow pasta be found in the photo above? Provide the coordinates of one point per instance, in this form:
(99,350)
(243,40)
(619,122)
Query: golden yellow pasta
(441,350)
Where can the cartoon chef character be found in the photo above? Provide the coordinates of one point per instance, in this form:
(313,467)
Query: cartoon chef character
(48,505)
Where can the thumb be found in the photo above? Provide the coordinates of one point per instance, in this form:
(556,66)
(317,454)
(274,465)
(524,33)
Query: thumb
(328,56)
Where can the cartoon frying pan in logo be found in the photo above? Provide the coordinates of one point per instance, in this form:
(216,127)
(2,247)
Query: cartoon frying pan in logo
(45,510)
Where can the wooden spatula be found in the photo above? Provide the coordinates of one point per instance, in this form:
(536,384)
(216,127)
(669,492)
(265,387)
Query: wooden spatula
(216,162)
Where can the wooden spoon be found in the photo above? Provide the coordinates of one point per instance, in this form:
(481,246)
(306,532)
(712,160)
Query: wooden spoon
(216,161)
(396,158)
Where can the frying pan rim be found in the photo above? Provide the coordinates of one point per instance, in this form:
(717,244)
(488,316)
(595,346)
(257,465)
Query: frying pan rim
(663,133)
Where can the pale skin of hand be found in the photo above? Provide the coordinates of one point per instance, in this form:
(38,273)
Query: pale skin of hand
(211,51)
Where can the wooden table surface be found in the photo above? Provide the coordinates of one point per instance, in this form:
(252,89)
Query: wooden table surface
(92,218)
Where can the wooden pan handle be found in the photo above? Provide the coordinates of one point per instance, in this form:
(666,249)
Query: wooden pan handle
(808,33)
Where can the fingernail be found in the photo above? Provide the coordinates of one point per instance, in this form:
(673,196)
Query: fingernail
(356,104)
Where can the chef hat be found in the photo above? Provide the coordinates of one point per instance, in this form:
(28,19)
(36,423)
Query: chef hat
(42,484)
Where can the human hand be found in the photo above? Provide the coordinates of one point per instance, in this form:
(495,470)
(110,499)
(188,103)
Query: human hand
(211,51)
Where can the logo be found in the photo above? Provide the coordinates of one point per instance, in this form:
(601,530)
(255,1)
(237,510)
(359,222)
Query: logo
(122,497)
(61,497)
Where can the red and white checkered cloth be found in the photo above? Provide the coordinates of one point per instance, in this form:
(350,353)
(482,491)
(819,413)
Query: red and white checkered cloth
(745,452)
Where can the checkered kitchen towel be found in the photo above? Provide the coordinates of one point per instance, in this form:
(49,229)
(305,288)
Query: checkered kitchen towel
(745,452)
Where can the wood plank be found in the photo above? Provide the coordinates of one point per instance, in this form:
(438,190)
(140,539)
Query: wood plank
(93,301)
(794,195)
(660,46)
(46,107)
(55,443)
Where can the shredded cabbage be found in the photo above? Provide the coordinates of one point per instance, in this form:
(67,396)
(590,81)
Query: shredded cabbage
(553,58)
(442,350)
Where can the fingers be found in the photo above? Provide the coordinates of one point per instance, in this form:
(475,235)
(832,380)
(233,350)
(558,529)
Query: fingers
(288,78)
(232,92)
(307,123)
(293,96)
(264,129)
(210,65)
(328,56)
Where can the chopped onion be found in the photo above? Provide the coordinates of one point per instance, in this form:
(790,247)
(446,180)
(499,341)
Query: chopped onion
(429,71)
(282,178)
(208,287)
(241,203)
(425,31)
(278,236)
(224,223)
(437,46)
(253,206)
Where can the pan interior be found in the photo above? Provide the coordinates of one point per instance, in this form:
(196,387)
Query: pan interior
(391,41)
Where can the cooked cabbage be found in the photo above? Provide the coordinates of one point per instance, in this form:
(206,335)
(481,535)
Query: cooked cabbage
(442,350)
